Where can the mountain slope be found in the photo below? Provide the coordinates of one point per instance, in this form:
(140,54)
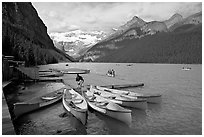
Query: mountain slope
(193,19)
(25,37)
(174,47)
(173,20)
(156,44)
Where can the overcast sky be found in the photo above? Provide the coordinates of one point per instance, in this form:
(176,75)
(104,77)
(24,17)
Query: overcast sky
(62,17)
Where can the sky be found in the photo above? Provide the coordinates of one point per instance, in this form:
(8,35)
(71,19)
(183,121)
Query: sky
(103,16)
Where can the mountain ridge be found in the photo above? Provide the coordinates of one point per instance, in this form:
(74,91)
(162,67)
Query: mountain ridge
(151,31)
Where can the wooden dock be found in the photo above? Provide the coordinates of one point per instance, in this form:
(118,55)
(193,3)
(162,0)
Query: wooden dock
(7,125)
(70,82)
(100,80)
(50,79)
(124,86)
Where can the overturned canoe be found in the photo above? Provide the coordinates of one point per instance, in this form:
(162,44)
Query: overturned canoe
(121,100)
(107,107)
(75,104)
(151,98)
(75,71)
(21,108)
(51,74)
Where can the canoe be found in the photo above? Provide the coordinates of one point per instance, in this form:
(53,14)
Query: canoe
(75,71)
(110,75)
(21,108)
(186,69)
(107,107)
(151,98)
(121,100)
(51,74)
(74,103)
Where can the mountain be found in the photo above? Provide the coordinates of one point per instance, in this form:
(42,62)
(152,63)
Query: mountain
(193,19)
(134,23)
(176,18)
(24,36)
(176,40)
(75,43)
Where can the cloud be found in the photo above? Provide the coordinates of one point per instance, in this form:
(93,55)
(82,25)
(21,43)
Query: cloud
(106,15)
(64,28)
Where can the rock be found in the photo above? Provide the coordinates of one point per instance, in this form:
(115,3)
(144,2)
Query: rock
(24,35)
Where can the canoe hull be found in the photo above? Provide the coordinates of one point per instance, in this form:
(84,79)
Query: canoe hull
(154,98)
(135,104)
(80,114)
(20,108)
(118,115)
(34,104)
(121,116)
(125,101)
(76,71)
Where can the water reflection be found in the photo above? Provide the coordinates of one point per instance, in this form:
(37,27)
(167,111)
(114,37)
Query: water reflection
(154,107)
(114,127)
(139,115)
(80,129)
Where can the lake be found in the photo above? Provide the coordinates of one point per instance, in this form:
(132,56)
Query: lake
(180,112)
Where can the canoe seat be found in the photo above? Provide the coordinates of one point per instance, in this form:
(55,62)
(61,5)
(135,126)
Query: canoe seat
(125,93)
(102,104)
(48,98)
(107,90)
(70,96)
(97,93)
(59,92)
(73,104)
(111,97)
(73,95)
(91,98)
(78,101)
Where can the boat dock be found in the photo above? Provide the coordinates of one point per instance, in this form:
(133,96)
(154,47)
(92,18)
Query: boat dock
(101,80)
(7,125)
(70,82)
(50,79)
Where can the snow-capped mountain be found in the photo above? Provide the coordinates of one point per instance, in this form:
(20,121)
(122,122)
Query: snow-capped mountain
(75,43)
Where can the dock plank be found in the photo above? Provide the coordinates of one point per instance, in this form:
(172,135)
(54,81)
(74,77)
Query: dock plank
(7,124)
(100,80)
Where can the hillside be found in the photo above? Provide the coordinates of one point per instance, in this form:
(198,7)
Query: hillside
(25,37)
(154,43)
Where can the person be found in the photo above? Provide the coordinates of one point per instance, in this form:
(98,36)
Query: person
(79,80)
(113,73)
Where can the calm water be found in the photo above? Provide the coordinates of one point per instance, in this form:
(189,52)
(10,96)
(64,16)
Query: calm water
(179,113)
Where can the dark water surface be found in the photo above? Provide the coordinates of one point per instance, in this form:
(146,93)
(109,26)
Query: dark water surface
(179,113)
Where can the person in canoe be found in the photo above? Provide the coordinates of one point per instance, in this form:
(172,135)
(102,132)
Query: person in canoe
(111,73)
(79,80)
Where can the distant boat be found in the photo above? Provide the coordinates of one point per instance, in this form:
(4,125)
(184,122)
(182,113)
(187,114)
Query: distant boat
(110,75)
(186,68)
(129,64)
(74,103)
(21,108)
(107,107)
(75,71)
